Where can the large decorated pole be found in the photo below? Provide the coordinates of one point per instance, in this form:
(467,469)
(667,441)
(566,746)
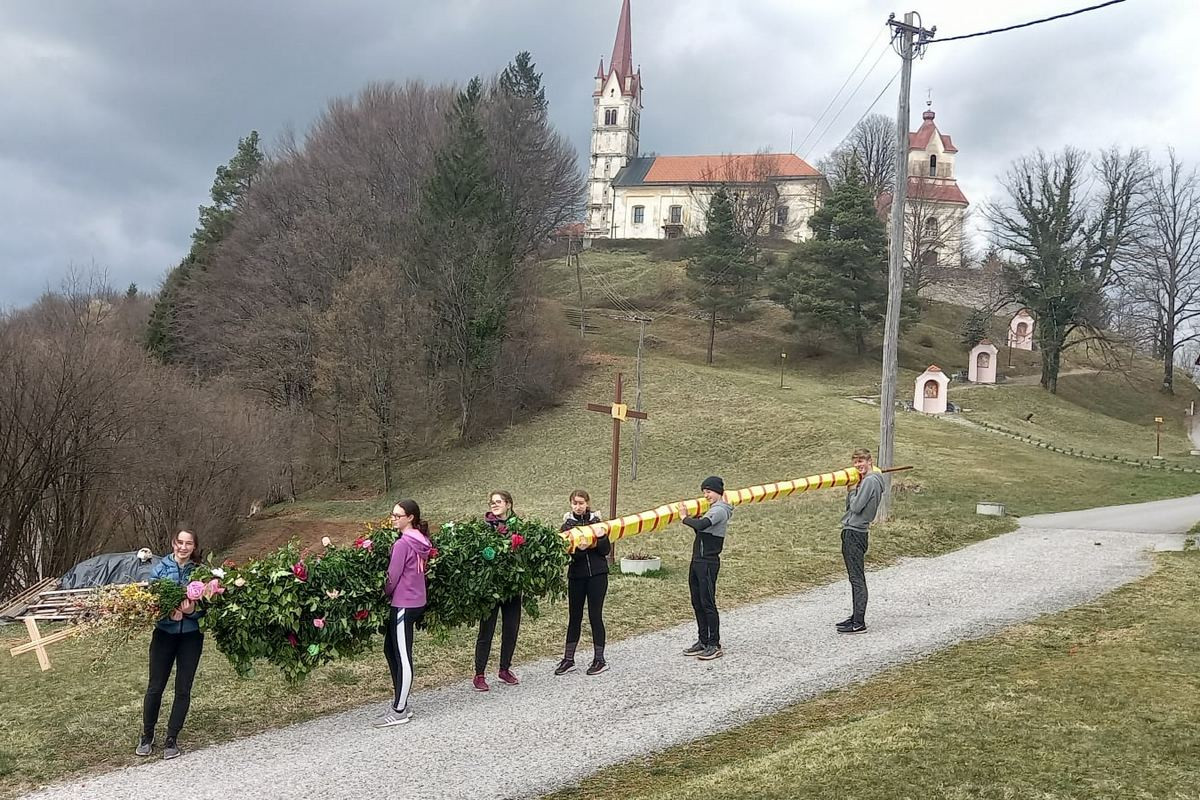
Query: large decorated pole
(300,608)
(647,521)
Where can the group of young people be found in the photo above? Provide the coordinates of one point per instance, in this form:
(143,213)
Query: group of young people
(177,640)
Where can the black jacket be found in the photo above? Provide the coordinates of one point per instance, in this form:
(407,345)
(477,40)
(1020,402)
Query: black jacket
(591,561)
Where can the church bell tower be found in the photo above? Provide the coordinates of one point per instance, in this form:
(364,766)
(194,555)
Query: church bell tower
(616,116)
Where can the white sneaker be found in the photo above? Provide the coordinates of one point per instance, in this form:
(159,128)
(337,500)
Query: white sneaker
(393,717)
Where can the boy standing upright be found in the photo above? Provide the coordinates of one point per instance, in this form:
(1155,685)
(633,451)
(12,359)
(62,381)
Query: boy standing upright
(862,501)
(706,563)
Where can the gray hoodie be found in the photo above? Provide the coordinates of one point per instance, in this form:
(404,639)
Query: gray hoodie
(862,502)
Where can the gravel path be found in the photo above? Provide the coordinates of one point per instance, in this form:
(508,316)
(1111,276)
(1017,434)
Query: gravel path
(549,732)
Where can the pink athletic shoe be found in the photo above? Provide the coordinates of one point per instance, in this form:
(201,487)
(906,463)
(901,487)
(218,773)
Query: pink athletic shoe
(507,676)
(480,683)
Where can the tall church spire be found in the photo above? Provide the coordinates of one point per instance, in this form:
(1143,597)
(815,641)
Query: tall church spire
(622,54)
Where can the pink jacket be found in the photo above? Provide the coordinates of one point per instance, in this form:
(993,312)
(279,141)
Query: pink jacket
(406,570)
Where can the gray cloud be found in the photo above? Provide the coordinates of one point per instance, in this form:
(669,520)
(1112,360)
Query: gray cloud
(118,113)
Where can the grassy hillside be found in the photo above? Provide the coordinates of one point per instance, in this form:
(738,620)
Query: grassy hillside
(730,419)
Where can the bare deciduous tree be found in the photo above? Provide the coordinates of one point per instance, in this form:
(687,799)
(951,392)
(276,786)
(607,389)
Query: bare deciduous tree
(933,239)
(1070,242)
(1163,281)
(871,145)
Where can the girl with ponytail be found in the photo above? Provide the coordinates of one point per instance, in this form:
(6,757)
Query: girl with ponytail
(405,585)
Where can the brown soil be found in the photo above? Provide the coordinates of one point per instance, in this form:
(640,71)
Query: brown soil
(264,535)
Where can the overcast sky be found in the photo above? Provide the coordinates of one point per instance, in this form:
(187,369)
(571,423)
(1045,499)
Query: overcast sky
(115,114)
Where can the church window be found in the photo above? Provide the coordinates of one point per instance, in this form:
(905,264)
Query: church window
(932,228)
(781,216)
(610,116)
(676,215)
(639,215)
(930,259)
(933,166)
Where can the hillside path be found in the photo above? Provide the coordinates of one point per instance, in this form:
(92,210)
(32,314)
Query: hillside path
(550,732)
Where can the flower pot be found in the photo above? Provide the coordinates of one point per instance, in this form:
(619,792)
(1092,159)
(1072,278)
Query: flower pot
(640,566)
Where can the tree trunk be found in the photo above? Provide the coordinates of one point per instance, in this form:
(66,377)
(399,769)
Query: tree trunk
(1168,357)
(712,335)
(1051,358)
(385,451)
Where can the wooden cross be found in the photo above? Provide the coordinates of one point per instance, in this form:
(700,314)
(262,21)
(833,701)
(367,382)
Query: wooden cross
(37,643)
(619,413)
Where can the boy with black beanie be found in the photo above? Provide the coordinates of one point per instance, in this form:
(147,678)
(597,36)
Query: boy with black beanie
(706,563)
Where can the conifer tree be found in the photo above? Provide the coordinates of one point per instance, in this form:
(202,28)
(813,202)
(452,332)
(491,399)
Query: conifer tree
(837,281)
(232,183)
(724,270)
(464,255)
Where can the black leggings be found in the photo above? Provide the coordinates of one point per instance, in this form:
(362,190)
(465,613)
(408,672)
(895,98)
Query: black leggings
(592,589)
(397,648)
(181,650)
(511,611)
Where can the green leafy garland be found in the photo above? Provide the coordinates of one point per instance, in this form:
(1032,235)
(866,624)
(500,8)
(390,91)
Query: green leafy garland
(300,609)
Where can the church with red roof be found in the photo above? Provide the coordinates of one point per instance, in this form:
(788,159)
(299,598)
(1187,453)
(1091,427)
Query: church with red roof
(631,196)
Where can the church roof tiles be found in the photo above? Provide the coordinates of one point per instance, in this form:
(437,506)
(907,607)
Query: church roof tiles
(920,139)
(714,169)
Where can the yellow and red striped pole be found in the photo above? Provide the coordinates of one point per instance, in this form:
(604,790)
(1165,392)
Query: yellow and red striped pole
(647,521)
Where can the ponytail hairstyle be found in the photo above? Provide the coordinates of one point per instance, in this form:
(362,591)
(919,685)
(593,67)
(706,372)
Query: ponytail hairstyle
(582,495)
(412,509)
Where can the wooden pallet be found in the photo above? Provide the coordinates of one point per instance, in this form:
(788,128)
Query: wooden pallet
(15,606)
(49,605)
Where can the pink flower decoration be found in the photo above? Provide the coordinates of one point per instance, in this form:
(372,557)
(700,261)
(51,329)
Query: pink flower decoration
(362,614)
(213,588)
(517,540)
(195,590)
(501,528)
(366,544)
(300,571)
(433,553)
(292,640)
(319,622)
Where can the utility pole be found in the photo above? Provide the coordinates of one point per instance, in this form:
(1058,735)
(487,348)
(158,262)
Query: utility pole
(573,255)
(637,401)
(903,36)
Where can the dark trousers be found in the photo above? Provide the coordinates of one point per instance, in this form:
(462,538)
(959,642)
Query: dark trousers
(397,648)
(591,589)
(854,551)
(179,650)
(510,610)
(702,583)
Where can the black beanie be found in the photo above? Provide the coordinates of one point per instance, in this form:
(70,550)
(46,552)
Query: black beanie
(713,482)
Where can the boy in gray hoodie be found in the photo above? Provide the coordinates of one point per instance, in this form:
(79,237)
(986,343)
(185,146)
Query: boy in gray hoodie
(862,501)
(706,563)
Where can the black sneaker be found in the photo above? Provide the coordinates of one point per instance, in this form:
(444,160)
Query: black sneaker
(711,652)
(846,621)
(852,627)
(145,746)
(597,667)
(171,750)
(565,666)
(695,650)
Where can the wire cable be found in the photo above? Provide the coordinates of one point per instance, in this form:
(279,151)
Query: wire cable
(838,93)
(1026,24)
(835,117)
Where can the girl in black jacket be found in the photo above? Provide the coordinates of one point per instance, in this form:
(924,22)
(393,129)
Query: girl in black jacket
(587,579)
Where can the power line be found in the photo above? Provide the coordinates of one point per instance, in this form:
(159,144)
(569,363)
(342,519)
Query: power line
(853,94)
(838,93)
(886,86)
(1027,24)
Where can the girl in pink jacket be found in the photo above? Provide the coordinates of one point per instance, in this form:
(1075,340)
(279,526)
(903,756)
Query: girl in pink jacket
(405,585)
